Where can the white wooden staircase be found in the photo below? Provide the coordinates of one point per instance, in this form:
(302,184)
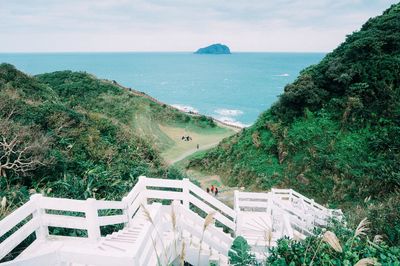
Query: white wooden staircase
(156,234)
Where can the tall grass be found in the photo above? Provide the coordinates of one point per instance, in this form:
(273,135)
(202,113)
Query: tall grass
(207,222)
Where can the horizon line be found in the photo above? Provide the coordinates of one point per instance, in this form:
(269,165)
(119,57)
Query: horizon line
(71,52)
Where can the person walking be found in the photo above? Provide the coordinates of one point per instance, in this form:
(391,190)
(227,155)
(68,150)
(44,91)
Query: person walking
(212,188)
(198,146)
(216,191)
(208,190)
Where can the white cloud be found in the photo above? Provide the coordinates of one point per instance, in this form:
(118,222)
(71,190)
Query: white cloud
(155,25)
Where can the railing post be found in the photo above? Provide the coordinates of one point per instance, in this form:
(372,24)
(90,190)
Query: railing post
(92,220)
(313,214)
(236,208)
(185,191)
(291,196)
(142,183)
(42,232)
(125,211)
(269,204)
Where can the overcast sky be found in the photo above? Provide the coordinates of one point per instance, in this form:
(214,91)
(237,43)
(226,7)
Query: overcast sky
(180,25)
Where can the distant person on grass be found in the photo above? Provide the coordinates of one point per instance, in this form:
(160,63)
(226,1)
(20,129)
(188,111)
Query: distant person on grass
(216,191)
(212,188)
(208,190)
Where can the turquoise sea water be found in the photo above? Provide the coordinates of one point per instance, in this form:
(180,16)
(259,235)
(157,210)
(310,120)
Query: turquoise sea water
(234,88)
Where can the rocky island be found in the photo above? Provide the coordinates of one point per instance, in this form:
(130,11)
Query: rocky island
(214,49)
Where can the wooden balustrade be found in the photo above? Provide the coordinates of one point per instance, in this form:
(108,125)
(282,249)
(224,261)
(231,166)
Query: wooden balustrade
(40,213)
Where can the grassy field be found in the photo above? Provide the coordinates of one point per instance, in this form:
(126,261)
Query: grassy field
(178,149)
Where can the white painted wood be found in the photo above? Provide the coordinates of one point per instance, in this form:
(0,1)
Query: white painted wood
(132,209)
(163,183)
(283,211)
(105,204)
(211,200)
(86,258)
(218,216)
(92,220)
(112,219)
(42,231)
(62,204)
(186,192)
(11,242)
(51,258)
(64,221)
(16,217)
(251,195)
(125,211)
(168,195)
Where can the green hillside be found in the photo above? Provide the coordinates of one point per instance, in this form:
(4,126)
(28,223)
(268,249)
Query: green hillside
(70,134)
(334,134)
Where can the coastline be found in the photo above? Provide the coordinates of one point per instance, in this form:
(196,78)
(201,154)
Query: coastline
(232,126)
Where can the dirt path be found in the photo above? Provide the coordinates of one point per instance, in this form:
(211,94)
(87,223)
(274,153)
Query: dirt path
(225,193)
(206,180)
(180,149)
(190,152)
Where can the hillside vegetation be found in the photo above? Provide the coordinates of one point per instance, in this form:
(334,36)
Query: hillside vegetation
(334,134)
(70,134)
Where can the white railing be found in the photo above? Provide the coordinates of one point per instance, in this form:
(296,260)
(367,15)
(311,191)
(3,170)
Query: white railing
(187,222)
(40,213)
(299,212)
(190,195)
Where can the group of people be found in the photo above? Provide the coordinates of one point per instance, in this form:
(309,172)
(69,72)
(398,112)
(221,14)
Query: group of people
(189,138)
(186,138)
(214,190)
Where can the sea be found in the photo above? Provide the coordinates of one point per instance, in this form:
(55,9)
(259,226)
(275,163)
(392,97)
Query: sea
(234,88)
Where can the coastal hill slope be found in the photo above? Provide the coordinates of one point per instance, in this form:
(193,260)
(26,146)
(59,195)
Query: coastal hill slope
(214,49)
(75,136)
(333,134)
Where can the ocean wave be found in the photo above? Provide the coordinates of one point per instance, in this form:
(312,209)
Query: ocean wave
(228,112)
(231,121)
(282,75)
(185,108)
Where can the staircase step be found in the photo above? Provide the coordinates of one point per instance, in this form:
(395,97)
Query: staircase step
(113,246)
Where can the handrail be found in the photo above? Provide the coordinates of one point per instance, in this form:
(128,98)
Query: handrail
(145,237)
(189,193)
(25,213)
(281,201)
(211,200)
(212,235)
(40,212)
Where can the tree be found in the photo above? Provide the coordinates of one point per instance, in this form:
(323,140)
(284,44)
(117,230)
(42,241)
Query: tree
(22,148)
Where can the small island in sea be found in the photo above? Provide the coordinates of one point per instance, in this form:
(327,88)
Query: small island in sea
(214,49)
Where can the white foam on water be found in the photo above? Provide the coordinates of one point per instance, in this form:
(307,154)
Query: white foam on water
(228,112)
(228,116)
(231,121)
(185,108)
(282,75)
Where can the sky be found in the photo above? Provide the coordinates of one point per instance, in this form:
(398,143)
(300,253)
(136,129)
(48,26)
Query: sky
(181,25)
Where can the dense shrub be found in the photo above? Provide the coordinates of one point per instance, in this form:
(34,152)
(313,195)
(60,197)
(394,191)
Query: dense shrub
(80,133)
(334,133)
(336,246)
(240,253)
